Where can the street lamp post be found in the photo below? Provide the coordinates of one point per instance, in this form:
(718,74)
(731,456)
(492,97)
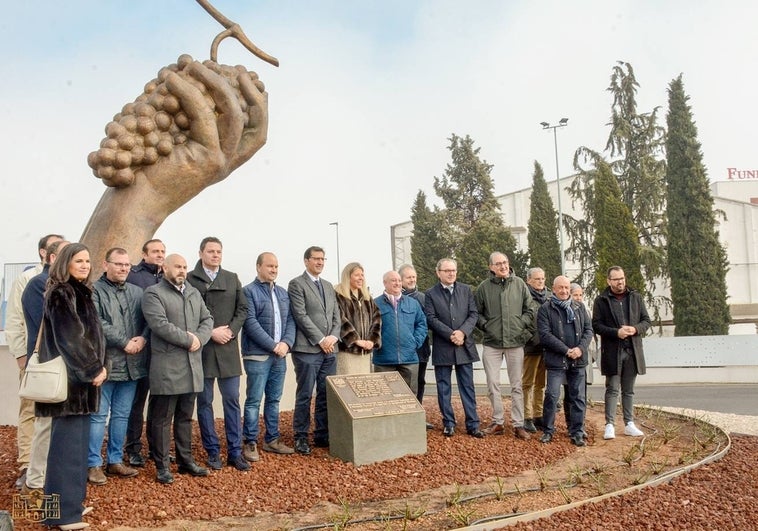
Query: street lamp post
(563,122)
(337,226)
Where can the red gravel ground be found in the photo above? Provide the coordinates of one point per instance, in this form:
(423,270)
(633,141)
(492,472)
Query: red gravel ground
(291,492)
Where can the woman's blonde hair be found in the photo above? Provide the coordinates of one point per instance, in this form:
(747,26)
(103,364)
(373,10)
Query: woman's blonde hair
(343,288)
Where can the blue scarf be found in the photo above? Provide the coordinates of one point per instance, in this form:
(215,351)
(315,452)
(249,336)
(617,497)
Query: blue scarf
(565,306)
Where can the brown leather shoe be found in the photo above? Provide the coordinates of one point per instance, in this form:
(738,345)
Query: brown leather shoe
(521,433)
(278,447)
(95,476)
(494,429)
(121,470)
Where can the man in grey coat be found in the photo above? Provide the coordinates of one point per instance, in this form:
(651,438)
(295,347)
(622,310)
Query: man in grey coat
(180,325)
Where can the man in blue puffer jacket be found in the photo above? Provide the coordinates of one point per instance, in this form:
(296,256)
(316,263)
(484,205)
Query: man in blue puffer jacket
(403,331)
(267,336)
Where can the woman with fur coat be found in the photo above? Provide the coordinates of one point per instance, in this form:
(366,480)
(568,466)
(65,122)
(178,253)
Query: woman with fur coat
(361,330)
(71,329)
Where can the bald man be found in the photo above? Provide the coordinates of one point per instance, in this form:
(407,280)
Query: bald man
(565,333)
(180,325)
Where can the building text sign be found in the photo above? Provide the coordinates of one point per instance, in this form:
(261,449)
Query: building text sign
(739,175)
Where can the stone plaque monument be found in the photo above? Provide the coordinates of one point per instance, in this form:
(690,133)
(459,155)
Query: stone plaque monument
(373,417)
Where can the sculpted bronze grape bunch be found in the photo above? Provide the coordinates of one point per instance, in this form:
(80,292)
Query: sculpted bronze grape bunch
(155,123)
(193,125)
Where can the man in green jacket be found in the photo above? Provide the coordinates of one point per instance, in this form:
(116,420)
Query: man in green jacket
(506,318)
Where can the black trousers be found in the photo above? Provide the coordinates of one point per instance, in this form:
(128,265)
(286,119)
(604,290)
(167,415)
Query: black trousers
(133,443)
(67,466)
(421,381)
(164,409)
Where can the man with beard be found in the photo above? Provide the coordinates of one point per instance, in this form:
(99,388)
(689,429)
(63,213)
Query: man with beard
(620,318)
(180,325)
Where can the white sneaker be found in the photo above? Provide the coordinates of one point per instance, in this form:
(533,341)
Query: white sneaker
(632,431)
(610,432)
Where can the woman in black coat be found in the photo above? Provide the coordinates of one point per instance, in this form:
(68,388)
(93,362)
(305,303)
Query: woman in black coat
(71,328)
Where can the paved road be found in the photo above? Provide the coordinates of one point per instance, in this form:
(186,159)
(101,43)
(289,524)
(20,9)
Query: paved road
(739,399)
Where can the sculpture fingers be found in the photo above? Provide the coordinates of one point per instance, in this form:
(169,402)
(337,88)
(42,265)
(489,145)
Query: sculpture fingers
(255,134)
(202,119)
(229,115)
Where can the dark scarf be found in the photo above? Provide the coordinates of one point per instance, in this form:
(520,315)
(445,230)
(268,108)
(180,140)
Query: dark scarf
(565,306)
(539,296)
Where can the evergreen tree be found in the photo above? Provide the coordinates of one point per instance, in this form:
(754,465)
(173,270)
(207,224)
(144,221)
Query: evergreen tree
(468,226)
(473,223)
(616,238)
(542,237)
(637,143)
(696,258)
(635,147)
(427,245)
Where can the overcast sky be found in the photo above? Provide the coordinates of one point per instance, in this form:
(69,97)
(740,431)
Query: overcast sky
(367,94)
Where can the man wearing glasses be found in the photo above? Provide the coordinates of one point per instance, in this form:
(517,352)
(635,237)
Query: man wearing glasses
(313,303)
(451,315)
(620,318)
(506,318)
(119,306)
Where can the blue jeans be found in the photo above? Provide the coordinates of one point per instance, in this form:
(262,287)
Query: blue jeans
(115,398)
(263,376)
(230,398)
(575,379)
(311,371)
(464,374)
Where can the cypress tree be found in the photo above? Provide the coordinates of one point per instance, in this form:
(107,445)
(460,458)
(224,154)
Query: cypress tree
(696,259)
(542,237)
(635,149)
(616,237)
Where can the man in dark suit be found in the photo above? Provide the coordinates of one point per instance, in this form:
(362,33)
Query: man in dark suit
(313,302)
(222,292)
(451,314)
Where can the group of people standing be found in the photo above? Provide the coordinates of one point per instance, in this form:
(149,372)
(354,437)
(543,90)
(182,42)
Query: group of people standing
(544,338)
(161,330)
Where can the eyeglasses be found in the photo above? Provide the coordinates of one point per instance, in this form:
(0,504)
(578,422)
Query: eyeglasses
(501,264)
(616,279)
(447,270)
(120,264)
